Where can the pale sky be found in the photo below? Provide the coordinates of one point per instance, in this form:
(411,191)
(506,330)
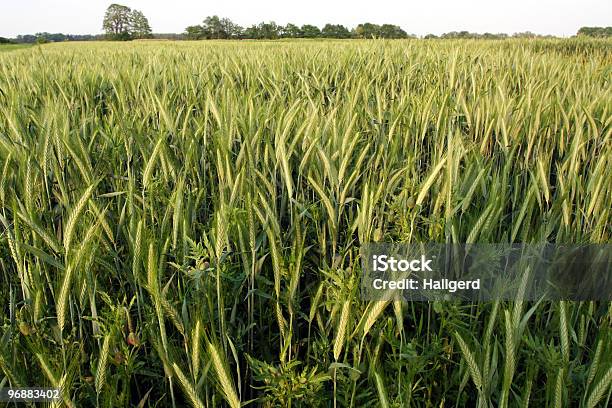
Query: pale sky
(558,17)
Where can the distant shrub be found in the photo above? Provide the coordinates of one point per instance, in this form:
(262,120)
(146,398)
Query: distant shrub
(597,32)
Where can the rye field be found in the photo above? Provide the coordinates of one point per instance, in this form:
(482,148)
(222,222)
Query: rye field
(180,222)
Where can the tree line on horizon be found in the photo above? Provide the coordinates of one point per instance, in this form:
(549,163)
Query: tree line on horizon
(214,27)
(44,37)
(596,32)
(122,23)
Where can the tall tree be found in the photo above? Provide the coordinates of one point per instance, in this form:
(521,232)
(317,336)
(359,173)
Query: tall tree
(269,30)
(214,28)
(253,32)
(310,31)
(392,31)
(291,31)
(139,25)
(117,22)
(367,30)
(230,29)
(335,31)
(195,32)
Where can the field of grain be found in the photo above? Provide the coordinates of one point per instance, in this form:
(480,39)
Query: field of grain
(180,223)
(12,47)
